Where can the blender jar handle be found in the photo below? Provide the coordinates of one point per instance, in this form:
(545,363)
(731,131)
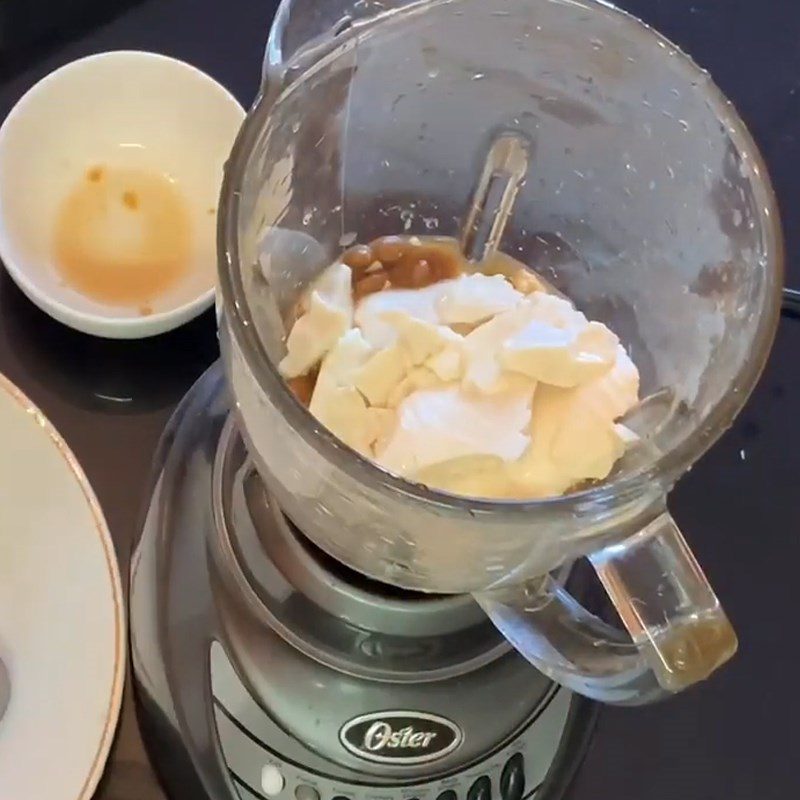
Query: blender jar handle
(678,632)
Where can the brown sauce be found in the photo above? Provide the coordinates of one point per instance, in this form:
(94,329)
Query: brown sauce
(123,236)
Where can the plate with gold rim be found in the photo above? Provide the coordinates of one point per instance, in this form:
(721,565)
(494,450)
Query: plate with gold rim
(62,622)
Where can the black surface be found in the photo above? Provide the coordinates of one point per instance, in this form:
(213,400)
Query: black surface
(734,738)
(29,26)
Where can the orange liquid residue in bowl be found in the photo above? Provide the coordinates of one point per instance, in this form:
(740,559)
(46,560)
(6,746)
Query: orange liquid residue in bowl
(123,236)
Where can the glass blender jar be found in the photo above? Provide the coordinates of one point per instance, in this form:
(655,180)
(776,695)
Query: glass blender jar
(644,200)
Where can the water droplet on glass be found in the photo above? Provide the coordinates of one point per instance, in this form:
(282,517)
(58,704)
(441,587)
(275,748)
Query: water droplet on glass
(597,44)
(478,76)
(433,73)
(295,127)
(670,171)
(684,124)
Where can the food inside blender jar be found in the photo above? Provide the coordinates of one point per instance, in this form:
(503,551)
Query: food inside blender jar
(473,379)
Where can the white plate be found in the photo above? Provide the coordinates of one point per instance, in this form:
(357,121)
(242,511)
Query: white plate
(62,626)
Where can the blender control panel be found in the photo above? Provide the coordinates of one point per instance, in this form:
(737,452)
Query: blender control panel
(266,763)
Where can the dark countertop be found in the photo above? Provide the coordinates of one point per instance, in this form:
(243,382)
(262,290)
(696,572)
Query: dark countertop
(732,739)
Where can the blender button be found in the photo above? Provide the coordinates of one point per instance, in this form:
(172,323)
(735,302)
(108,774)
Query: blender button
(447,794)
(305,792)
(481,789)
(512,779)
(271,780)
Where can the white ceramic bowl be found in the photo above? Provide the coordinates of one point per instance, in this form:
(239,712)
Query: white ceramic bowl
(125,110)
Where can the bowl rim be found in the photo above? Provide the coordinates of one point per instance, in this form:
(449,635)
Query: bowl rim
(95,323)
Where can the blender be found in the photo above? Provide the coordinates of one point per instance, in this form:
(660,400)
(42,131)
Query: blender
(304,624)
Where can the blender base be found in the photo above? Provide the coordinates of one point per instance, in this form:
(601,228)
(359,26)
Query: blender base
(290,691)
